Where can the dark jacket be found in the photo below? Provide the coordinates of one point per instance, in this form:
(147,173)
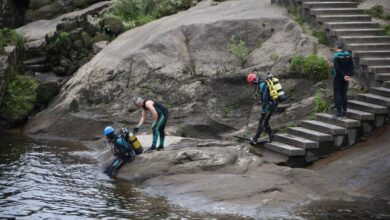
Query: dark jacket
(342,64)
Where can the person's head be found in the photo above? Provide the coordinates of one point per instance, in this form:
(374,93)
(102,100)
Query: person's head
(251,78)
(137,101)
(339,45)
(109,132)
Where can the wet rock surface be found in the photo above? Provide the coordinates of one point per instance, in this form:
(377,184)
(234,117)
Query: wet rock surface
(223,177)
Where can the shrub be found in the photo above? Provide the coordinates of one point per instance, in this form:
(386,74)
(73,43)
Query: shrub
(313,67)
(321,36)
(9,37)
(238,48)
(296,64)
(19,97)
(387,29)
(376,11)
(143,11)
(320,103)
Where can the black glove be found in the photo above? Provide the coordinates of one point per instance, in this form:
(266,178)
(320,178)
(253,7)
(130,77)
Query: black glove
(135,130)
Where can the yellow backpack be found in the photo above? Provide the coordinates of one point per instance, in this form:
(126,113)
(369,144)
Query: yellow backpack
(275,88)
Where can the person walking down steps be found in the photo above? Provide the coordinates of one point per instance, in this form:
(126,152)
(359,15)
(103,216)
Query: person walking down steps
(271,93)
(342,71)
(160,116)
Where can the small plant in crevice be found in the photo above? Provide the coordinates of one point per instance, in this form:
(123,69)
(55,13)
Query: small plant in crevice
(321,37)
(320,103)
(238,48)
(377,11)
(9,37)
(274,57)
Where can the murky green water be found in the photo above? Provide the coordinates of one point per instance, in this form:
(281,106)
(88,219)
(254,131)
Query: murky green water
(62,181)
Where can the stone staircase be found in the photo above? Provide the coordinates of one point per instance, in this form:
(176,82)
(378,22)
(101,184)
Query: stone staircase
(313,139)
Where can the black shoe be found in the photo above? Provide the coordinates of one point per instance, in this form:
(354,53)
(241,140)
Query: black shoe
(270,139)
(344,114)
(253,141)
(152,148)
(339,114)
(161,147)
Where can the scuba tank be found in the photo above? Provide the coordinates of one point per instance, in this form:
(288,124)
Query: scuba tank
(133,140)
(275,88)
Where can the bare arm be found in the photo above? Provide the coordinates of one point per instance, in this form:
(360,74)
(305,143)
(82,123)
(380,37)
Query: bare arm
(143,116)
(150,105)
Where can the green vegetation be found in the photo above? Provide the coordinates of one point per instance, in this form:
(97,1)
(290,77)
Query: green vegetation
(321,36)
(377,11)
(138,12)
(9,37)
(313,67)
(387,29)
(19,97)
(274,57)
(283,128)
(320,103)
(238,48)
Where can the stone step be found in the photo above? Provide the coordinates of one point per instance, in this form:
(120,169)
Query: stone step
(375,61)
(342,122)
(371,53)
(365,39)
(368,107)
(382,91)
(386,84)
(285,149)
(375,99)
(301,1)
(360,115)
(378,69)
(351,25)
(330,4)
(369,46)
(324,127)
(296,141)
(335,18)
(337,11)
(358,32)
(310,134)
(37,60)
(382,77)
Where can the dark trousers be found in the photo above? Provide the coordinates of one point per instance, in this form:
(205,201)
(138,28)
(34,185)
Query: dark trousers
(116,164)
(264,121)
(340,89)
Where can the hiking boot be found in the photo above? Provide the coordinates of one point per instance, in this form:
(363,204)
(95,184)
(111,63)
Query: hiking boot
(344,113)
(270,138)
(339,114)
(252,141)
(152,148)
(161,147)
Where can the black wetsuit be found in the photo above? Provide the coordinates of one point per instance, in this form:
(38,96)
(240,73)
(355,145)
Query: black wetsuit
(159,125)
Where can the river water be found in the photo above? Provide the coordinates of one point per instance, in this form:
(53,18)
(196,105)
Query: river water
(61,180)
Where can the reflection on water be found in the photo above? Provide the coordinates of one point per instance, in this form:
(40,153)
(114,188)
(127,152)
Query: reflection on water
(41,181)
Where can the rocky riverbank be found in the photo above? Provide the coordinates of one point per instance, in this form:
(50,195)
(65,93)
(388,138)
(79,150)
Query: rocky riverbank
(223,177)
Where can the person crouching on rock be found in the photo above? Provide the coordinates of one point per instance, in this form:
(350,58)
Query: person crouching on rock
(268,106)
(160,116)
(121,149)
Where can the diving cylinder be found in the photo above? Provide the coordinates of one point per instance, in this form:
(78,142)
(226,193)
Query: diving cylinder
(133,140)
(279,89)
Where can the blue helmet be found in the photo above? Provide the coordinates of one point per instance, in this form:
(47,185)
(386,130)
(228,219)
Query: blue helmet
(108,130)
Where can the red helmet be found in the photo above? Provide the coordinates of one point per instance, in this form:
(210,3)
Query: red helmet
(251,78)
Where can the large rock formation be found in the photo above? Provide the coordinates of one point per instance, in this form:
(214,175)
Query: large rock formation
(182,60)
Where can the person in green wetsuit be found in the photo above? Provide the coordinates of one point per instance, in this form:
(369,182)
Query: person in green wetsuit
(343,69)
(160,116)
(269,105)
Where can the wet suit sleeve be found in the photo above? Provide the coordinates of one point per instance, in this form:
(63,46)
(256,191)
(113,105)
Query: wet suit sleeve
(336,65)
(264,96)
